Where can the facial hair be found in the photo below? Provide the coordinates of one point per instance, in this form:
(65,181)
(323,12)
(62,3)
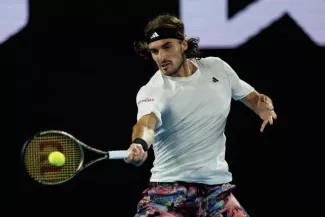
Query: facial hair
(174,72)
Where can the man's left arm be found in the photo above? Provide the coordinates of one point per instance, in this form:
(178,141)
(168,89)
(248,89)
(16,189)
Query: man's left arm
(262,105)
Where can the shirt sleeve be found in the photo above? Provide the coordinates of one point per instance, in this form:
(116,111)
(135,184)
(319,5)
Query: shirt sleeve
(147,100)
(239,88)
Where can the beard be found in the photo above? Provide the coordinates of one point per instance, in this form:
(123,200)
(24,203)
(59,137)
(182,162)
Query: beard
(175,68)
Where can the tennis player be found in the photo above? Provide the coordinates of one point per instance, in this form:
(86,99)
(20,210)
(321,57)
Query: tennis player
(182,113)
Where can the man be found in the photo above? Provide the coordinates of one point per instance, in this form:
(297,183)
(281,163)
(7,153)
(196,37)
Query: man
(182,112)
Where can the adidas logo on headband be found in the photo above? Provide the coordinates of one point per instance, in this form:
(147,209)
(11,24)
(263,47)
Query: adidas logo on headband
(164,33)
(154,35)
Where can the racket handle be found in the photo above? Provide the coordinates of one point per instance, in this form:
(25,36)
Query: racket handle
(112,155)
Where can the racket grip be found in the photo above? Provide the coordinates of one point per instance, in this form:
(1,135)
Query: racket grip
(112,155)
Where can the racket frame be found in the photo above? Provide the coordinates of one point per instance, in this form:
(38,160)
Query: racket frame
(81,145)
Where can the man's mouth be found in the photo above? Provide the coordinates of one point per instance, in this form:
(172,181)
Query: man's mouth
(164,65)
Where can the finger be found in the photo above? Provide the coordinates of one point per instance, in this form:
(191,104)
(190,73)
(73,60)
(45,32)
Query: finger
(138,158)
(132,155)
(274,115)
(266,103)
(261,98)
(270,119)
(137,162)
(263,125)
(140,148)
(142,156)
(141,161)
(140,151)
(134,150)
(129,159)
(270,106)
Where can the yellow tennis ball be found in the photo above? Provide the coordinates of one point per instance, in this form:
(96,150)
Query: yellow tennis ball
(56,158)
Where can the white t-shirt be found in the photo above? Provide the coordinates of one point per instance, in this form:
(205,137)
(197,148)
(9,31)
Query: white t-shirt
(189,142)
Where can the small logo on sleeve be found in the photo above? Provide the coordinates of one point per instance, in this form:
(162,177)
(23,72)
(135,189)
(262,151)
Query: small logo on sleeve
(214,80)
(145,100)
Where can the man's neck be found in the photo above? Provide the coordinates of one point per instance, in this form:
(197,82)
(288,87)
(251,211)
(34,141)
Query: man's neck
(186,70)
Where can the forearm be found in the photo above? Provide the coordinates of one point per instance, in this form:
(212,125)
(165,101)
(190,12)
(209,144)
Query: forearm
(144,129)
(251,101)
(143,132)
(254,100)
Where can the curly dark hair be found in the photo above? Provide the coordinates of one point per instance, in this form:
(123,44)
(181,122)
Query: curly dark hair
(167,21)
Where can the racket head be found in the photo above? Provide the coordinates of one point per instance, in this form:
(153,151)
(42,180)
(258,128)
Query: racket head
(35,154)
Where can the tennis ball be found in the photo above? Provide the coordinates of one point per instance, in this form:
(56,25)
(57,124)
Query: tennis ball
(56,158)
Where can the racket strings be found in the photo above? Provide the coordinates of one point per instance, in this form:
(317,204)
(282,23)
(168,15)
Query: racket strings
(38,150)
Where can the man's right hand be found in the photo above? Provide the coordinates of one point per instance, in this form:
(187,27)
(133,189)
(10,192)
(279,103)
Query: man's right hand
(143,129)
(137,155)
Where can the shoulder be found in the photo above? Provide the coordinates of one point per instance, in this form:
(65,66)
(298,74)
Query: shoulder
(212,62)
(212,65)
(152,87)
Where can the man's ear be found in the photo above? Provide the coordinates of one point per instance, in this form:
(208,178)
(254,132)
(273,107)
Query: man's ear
(184,45)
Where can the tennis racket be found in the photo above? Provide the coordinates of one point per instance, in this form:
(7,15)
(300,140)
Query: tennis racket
(36,151)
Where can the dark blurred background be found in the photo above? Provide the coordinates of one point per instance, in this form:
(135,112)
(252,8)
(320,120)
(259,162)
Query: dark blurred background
(76,71)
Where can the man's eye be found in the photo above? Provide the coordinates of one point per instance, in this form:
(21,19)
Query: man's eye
(154,51)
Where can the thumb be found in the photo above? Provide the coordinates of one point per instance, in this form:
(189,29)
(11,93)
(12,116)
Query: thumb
(129,158)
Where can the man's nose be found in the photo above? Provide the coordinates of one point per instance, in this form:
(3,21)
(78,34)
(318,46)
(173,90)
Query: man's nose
(161,56)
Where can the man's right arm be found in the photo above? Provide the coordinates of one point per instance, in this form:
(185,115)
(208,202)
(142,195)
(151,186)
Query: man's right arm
(143,129)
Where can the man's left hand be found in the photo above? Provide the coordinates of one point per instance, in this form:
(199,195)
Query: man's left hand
(265,110)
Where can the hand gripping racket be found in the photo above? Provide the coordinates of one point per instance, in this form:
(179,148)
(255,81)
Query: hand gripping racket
(36,151)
